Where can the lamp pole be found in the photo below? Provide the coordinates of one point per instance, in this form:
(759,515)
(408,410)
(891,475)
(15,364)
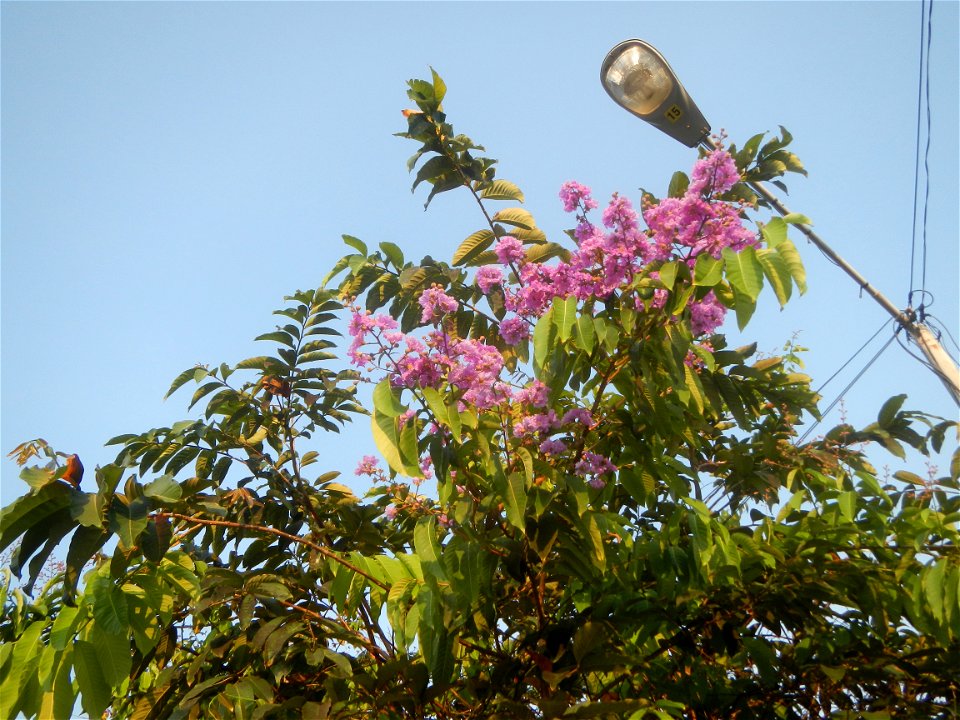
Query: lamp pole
(640,80)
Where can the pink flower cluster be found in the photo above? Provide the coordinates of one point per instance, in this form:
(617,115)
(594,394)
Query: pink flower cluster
(607,258)
(470,366)
(594,466)
(436,303)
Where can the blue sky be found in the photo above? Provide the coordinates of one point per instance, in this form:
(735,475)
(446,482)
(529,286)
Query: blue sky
(171,170)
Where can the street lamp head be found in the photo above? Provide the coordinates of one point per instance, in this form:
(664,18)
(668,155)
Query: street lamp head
(639,80)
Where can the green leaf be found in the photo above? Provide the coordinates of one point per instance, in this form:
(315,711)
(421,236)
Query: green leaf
(888,412)
(37,477)
(86,541)
(788,251)
(356,244)
(584,335)
(393,253)
(196,373)
(471,247)
(564,316)
(797,219)
(109,605)
(278,336)
(386,400)
(544,338)
(744,271)
(774,232)
(708,270)
(64,627)
(678,185)
(516,217)
(387,439)
(668,274)
(777,274)
(514,491)
(428,549)
(114,653)
(744,306)
(95,692)
(502,190)
(164,488)
(128,520)
(23,664)
(33,509)
(155,540)
(278,640)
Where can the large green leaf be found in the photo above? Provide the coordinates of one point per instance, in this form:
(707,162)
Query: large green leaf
(388,440)
(109,605)
(744,271)
(708,271)
(95,692)
(788,251)
(513,488)
(22,664)
(33,509)
(473,246)
(386,399)
(544,340)
(777,273)
(564,316)
(127,519)
(114,652)
(502,190)
(517,217)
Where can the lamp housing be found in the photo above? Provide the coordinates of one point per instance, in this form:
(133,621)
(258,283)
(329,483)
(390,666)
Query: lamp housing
(640,80)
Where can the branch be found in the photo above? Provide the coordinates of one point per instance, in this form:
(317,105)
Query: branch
(279,533)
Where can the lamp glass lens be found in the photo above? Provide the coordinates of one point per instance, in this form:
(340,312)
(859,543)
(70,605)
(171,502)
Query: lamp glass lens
(639,80)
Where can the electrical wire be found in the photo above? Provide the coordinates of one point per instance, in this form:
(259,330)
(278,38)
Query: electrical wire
(942,328)
(926,157)
(923,101)
(853,357)
(843,392)
(916,161)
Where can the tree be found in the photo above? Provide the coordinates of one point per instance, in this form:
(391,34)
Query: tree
(624,524)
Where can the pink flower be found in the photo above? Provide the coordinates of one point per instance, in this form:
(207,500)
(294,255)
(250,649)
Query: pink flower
(536,394)
(390,512)
(714,174)
(476,370)
(425,464)
(594,465)
(489,277)
(580,415)
(367,466)
(706,315)
(435,303)
(509,250)
(553,447)
(620,214)
(539,423)
(573,194)
(514,330)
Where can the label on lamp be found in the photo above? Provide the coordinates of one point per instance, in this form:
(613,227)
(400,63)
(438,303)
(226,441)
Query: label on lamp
(673,113)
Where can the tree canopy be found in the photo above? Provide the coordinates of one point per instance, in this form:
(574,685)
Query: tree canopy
(624,523)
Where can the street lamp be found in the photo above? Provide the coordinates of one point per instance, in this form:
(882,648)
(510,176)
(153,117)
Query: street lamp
(640,80)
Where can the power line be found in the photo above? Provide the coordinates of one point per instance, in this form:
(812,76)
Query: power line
(853,382)
(923,102)
(853,357)
(942,328)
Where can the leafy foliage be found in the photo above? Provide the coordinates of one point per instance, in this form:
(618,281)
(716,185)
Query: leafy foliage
(660,546)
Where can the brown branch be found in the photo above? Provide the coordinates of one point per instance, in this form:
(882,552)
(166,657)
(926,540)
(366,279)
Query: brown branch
(279,533)
(373,649)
